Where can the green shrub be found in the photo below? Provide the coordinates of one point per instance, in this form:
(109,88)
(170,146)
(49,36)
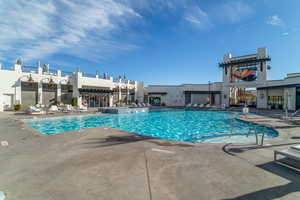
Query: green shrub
(74,102)
(17,107)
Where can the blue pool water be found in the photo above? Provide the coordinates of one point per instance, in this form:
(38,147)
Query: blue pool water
(180,125)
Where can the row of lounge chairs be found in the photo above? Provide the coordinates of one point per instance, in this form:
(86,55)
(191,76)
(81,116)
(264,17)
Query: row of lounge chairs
(198,105)
(139,105)
(41,109)
(292,153)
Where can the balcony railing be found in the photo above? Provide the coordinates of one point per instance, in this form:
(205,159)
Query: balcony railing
(29,69)
(66,73)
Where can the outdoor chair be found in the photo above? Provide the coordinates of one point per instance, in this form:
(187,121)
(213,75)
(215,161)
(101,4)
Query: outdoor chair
(34,110)
(292,153)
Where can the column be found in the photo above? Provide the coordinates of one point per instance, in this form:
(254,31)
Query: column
(40,92)
(58,92)
(262,99)
(18,92)
(120,94)
(226,96)
(76,86)
(128,94)
(111,100)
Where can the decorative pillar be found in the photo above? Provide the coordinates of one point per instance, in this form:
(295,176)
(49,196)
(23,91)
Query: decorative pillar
(40,92)
(76,86)
(128,94)
(120,94)
(58,92)
(226,96)
(111,100)
(18,92)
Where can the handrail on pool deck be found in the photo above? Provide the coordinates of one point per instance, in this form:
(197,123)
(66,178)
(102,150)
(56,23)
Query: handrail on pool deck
(256,136)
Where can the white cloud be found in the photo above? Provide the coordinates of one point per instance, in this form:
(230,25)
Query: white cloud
(285,34)
(275,20)
(234,11)
(197,17)
(36,29)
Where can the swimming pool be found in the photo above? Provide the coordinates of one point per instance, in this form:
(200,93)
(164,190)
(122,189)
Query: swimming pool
(180,125)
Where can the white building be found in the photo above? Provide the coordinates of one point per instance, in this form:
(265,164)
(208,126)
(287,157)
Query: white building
(26,85)
(243,77)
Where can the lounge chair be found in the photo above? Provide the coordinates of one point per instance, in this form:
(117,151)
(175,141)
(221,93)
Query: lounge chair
(201,105)
(34,110)
(189,105)
(133,105)
(53,109)
(293,153)
(139,105)
(223,106)
(82,108)
(148,104)
(195,105)
(68,108)
(207,106)
(144,105)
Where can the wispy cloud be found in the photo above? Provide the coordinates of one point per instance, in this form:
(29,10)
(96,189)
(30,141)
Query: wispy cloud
(35,29)
(197,17)
(285,34)
(275,20)
(234,11)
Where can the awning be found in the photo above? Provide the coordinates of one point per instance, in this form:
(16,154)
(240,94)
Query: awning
(95,91)
(279,86)
(202,92)
(157,93)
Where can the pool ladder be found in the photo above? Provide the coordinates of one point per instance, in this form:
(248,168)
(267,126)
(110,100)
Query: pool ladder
(255,132)
(250,131)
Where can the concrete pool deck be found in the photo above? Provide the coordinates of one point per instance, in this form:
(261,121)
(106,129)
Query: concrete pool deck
(105,163)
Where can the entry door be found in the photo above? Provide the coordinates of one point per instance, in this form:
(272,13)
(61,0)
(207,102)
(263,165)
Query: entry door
(298,98)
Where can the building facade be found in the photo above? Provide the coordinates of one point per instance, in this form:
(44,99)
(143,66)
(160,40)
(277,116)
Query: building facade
(245,82)
(27,85)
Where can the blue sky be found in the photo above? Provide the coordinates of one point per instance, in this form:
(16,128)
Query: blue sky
(157,41)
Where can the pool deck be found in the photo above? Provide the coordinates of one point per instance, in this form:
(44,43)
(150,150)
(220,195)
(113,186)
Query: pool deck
(105,163)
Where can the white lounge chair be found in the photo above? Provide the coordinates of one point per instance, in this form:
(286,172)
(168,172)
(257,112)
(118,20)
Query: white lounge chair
(207,106)
(133,105)
(201,105)
(53,108)
(223,106)
(68,108)
(195,105)
(292,153)
(82,108)
(148,105)
(139,105)
(34,110)
(189,105)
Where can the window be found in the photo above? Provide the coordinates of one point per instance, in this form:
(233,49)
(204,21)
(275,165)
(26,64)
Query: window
(275,101)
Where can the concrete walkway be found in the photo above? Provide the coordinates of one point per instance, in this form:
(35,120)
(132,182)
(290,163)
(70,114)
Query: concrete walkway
(104,163)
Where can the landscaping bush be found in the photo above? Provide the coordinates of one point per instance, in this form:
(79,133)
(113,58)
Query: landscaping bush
(74,102)
(17,107)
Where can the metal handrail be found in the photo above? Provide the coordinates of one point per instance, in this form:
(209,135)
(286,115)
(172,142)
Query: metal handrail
(295,113)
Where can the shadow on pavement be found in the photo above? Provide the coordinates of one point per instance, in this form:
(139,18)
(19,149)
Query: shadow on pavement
(276,192)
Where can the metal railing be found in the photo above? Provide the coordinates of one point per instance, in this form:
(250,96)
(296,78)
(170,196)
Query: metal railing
(52,71)
(29,69)
(88,75)
(66,73)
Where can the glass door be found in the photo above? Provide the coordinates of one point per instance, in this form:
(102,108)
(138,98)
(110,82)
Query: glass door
(298,98)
